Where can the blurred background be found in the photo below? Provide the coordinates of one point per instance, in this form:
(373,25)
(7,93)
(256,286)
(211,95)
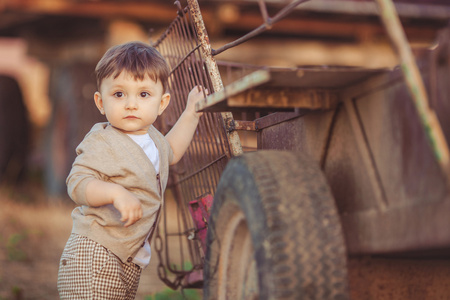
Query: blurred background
(48,52)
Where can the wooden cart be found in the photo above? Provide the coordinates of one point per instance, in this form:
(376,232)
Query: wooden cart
(350,176)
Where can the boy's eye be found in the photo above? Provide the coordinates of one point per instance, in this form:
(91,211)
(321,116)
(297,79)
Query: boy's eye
(145,94)
(118,94)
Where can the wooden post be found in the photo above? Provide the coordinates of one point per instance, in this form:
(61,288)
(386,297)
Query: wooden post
(415,84)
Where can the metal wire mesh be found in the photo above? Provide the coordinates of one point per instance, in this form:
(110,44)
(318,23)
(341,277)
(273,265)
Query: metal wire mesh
(199,171)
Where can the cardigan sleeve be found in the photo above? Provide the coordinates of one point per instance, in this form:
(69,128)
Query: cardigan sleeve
(92,162)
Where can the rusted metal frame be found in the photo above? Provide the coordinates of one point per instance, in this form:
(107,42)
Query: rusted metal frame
(170,39)
(193,251)
(234,144)
(178,29)
(193,159)
(178,84)
(185,58)
(245,125)
(167,31)
(218,117)
(182,217)
(202,145)
(167,254)
(213,170)
(223,156)
(199,173)
(181,81)
(202,159)
(161,270)
(202,142)
(207,118)
(195,255)
(179,109)
(415,85)
(187,226)
(262,28)
(213,150)
(198,64)
(181,223)
(162,273)
(181,233)
(206,146)
(210,150)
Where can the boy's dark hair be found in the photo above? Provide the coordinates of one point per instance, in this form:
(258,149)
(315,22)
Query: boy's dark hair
(138,59)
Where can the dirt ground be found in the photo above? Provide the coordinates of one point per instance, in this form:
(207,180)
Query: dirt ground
(33,232)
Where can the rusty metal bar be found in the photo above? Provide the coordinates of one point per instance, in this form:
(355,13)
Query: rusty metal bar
(415,84)
(185,58)
(262,28)
(213,71)
(202,169)
(208,121)
(245,125)
(263,9)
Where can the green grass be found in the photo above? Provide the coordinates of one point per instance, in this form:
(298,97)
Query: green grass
(169,294)
(13,246)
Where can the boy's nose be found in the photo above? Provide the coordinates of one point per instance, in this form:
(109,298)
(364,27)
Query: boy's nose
(131,103)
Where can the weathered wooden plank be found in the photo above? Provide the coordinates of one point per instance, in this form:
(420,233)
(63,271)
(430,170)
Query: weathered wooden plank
(285,98)
(250,81)
(309,88)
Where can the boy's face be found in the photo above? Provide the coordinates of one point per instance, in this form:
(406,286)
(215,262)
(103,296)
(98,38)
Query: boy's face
(131,105)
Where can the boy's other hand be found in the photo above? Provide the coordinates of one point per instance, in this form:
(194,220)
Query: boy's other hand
(195,95)
(129,207)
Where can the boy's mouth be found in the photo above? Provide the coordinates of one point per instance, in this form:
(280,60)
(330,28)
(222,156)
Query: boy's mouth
(131,117)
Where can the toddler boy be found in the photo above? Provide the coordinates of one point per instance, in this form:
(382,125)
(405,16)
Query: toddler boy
(120,174)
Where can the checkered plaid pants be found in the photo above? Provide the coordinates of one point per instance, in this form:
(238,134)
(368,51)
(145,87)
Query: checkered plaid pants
(88,270)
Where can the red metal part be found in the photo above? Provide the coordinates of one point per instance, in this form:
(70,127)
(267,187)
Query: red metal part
(200,211)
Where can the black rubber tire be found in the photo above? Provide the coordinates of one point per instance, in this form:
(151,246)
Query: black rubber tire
(294,226)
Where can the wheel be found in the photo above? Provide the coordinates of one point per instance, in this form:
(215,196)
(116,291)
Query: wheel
(274,232)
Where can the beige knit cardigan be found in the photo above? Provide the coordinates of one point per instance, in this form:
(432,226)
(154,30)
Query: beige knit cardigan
(110,155)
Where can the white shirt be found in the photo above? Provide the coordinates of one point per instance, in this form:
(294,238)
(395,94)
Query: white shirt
(144,254)
(149,147)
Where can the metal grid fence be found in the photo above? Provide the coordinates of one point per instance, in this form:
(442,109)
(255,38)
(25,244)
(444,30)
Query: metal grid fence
(199,171)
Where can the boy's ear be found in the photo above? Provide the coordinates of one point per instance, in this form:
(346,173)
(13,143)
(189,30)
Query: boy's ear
(165,100)
(99,102)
